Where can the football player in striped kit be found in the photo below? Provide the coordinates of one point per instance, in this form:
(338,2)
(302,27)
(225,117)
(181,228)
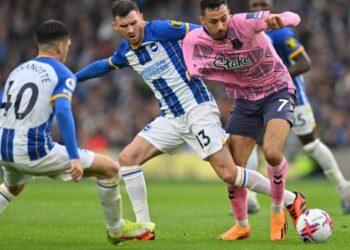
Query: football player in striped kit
(35,92)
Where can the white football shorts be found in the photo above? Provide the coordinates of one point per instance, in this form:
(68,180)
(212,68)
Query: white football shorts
(200,128)
(53,165)
(304,118)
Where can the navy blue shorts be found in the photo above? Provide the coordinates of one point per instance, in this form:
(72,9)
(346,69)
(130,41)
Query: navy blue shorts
(249,118)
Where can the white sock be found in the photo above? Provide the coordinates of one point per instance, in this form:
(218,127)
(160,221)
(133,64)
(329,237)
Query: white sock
(253,160)
(258,183)
(110,198)
(242,223)
(252,164)
(276,208)
(135,185)
(324,157)
(5,197)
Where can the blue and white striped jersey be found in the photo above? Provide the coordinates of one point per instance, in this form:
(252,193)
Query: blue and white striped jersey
(27,112)
(159,61)
(288,47)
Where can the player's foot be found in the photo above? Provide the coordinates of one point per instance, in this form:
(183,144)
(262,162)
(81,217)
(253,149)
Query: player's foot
(129,231)
(236,233)
(253,203)
(297,207)
(344,193)
(279,226)
(151,228)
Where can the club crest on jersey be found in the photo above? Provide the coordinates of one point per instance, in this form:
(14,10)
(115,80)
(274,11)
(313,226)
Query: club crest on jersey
(236,43)
(147,128)
(233,63)
(154,48)
(176,24)
(291,43)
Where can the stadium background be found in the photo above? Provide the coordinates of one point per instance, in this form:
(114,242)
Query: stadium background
(111,110)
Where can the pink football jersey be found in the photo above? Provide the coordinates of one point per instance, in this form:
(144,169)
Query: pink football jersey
(245,60)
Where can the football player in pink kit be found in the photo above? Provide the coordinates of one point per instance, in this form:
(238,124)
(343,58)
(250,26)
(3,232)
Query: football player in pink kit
(235,50)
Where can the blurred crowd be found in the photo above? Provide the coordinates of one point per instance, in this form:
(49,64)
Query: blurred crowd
(111,110)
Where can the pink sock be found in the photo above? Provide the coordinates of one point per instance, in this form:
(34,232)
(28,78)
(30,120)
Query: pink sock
(277,177)
(238,200)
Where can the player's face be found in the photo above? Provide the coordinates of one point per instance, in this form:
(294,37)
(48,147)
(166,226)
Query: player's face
(216,21)
(63,46)
(131,27)
(259,5)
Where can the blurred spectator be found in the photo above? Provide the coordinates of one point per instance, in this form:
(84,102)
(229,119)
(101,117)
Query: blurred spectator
(111,110)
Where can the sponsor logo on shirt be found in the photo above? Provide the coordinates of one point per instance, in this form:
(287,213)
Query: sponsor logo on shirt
(233,63)
(155,69)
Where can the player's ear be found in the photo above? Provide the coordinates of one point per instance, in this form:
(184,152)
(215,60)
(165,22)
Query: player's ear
(201,20)
(115,26)
(142,19)
(59,47)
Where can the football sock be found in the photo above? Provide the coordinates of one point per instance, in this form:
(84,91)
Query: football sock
(5,197)
(259,183)
(238,200)
(324,157)
(136,188)
(253,161)
(110,198)
(277,176)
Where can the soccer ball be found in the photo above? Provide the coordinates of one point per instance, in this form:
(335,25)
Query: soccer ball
(314,226)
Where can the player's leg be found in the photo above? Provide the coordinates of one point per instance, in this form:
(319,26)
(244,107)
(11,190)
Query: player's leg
(245,129)
(241,148)
(14,183)
(153,140)
(55,164)
(107,172)
(305,129)
(131,160)
(208,139)
(253,205)
(274,140)
(278,119)
(253,163)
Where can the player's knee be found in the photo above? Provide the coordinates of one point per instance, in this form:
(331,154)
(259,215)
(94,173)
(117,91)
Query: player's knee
(111,168)
(127,159)
(273,156)
(227,174)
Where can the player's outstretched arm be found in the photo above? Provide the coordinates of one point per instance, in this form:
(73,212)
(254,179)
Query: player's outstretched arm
(302,64)
(65,121)
(94,70)
(278,21)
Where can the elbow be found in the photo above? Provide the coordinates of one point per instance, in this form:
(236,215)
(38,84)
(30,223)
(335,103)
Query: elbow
(307,64)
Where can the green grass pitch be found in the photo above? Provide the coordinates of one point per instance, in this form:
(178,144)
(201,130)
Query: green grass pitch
(189,215)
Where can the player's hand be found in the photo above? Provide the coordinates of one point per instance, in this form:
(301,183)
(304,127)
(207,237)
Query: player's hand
(274,22)
(188,76)
(76,171)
